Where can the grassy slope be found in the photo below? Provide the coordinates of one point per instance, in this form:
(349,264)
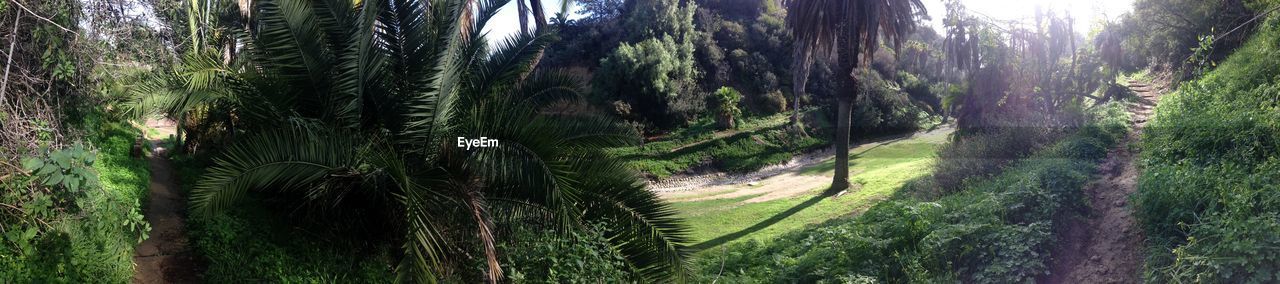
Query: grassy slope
(1209,195)
(732,150)
(880,169)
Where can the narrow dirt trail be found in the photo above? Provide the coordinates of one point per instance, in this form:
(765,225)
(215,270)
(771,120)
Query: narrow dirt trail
(1106,245)
(165,257)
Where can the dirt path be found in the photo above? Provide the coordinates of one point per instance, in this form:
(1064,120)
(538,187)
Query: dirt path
(773,182)
(165,256)
(1106,245)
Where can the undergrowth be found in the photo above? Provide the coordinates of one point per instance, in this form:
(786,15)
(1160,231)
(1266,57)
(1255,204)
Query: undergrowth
(76,217)
(252,243)
(1209,195)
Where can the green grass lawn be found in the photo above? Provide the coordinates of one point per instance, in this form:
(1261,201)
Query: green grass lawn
(879,168)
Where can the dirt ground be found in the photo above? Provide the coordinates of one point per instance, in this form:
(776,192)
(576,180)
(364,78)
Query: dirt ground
(1106,245)
(165,257)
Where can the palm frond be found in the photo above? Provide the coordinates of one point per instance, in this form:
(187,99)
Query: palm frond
(645,229)
(286,159)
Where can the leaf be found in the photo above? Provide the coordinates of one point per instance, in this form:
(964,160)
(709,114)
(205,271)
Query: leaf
(32,164)
(47,169)
(54,179)
(73,184)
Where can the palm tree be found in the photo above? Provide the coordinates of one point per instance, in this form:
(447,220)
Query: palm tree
(853,28)
(360,106)
(1109,44)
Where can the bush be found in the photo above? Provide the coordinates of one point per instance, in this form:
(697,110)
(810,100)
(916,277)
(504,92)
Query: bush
(882,108)
(772,102)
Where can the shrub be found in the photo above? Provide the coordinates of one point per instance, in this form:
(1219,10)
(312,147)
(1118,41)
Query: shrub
(772,102)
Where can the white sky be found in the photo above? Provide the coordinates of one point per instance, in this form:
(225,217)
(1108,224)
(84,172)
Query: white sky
(507,22)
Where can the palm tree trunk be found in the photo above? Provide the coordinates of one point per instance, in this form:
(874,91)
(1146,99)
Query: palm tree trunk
(523,11)
(843,121)
(799,79)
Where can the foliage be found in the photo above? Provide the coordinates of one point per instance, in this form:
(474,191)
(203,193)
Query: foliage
(727,100)
(585,257)
(350,113)
(651,76)
(251,243)
(995,231)
(1169,31)
(1207,195)
(883,107)
(83,225)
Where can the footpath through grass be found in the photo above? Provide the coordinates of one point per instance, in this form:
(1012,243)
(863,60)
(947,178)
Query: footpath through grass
(879,170)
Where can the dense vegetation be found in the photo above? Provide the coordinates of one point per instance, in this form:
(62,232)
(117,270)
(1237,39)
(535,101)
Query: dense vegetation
(318,140)
(1208,190)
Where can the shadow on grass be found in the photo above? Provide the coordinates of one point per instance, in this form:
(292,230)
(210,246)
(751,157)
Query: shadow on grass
(763,224)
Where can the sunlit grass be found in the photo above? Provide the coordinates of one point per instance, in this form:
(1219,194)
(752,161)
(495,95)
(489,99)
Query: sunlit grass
(879,171)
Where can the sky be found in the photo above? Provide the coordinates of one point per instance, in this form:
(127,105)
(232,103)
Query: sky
(507,22)
(1085,12)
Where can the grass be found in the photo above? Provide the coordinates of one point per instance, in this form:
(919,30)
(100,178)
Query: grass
(880,169)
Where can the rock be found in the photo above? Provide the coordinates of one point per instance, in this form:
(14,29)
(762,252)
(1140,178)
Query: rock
(1120,203)
(136,151)
(1094,258)
(754,183)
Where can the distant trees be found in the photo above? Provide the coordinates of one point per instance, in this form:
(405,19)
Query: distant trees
(654,71)
(853,29)
(1165,32)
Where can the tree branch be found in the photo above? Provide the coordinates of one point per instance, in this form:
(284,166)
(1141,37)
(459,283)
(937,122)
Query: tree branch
(33,13)
(4,85)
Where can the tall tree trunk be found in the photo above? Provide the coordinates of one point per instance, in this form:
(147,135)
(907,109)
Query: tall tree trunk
(848,63)
(843,121)
(523,10)
(539,14)
(799,79)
